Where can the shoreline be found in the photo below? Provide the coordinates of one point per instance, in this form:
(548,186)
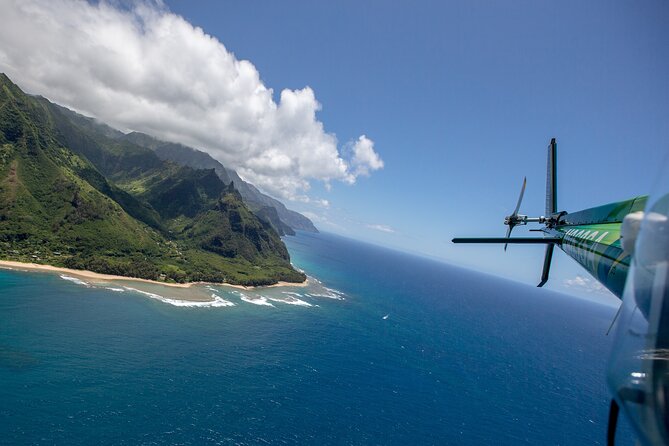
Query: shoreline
(10,264)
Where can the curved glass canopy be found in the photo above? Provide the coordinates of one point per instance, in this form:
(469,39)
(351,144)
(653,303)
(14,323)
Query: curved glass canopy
(638,374)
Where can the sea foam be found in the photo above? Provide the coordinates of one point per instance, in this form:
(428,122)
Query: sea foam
(217,302)
(291,297)
(260,300)
(291,300)
(74,280)
(330,293)
(291,293)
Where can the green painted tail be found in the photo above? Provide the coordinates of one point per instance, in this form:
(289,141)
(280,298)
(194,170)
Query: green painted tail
(592,238)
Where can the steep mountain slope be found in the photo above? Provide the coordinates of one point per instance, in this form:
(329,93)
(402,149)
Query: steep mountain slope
(282,219)
(60,203)
(48,210)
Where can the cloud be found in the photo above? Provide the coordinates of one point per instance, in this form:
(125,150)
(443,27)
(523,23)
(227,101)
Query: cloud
(146,69)
(382,228)
(585,284)
(365,159)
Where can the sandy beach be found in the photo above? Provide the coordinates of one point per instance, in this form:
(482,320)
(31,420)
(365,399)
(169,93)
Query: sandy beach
(108,277)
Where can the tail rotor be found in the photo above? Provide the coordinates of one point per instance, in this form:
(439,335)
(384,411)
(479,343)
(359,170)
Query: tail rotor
(514,219)
(550,220)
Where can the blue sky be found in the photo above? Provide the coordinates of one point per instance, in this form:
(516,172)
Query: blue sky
(400,123)
(461,99)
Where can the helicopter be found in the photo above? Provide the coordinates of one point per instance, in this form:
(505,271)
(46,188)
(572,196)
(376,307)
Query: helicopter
(625,246)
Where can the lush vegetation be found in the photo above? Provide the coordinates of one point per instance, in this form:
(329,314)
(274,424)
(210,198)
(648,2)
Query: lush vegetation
(283,220)
(73,194)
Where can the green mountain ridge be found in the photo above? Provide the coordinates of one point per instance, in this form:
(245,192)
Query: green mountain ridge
(284,220)
(75,194)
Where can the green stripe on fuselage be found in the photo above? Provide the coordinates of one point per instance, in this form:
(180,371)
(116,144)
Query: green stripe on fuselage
(592,238)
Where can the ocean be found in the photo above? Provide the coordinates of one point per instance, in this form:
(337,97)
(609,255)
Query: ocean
(387,349)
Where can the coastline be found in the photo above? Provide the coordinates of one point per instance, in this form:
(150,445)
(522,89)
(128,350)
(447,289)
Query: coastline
(10,264)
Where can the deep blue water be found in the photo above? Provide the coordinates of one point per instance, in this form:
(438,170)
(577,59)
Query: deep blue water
(461,358)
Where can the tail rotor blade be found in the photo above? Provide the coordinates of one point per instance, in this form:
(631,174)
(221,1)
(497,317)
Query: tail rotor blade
(520,198)
(547,265)
(512,219)
(508,234)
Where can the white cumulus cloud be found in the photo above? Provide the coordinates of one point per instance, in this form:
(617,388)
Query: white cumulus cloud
(365,159)
(382,228)
(146,69)
(586,284)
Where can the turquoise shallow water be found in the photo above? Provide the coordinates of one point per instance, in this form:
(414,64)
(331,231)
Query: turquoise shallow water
(415,352)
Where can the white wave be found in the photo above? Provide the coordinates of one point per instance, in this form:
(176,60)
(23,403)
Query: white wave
(189,303)
(260,300)
(333,291)
(217,302)
(291,293)
(118,290)
(291,301)
(220,302)
(146,293)
(74,280)
(328,295)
